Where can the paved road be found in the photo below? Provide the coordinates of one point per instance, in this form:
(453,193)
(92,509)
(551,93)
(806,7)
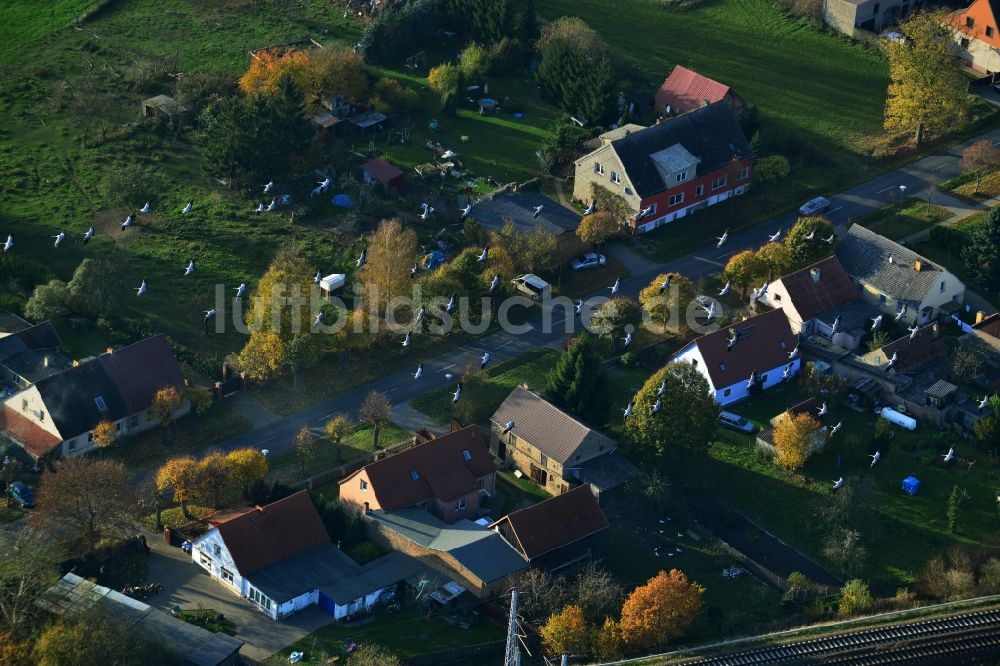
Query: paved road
(919,178)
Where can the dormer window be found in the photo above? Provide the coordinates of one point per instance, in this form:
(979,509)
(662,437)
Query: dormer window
(101,405)
(722,366)
(467,455)
(681,177)
(414,475)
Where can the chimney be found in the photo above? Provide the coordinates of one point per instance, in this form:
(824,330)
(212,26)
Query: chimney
(935,329)
(814,274)
(46,361)
(918,265)
(980,316)
(110,350)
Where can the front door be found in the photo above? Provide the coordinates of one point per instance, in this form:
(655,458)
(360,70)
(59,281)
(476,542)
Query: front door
(539,475)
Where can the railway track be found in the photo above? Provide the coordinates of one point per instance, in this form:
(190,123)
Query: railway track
(957,639)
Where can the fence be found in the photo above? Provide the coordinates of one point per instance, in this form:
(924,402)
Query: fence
(341,471)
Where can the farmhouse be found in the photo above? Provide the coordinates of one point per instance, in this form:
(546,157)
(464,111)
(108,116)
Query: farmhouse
(57,414)
(762,351)
(671,169)
(891,277)
(554,449)
(686,90)
(279,557)
(975,34)
(558,532)
(451,477)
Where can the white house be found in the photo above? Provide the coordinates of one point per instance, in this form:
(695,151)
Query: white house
(279,558)
(763,350)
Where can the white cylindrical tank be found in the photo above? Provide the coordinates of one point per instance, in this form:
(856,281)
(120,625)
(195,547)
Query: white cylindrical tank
(902,420)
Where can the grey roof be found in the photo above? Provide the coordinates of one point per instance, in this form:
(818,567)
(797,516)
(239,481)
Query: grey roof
(711,133)
(940,389)
(519,207)
(619,132)
(865,254)
(35,365)
(11,323)
(328,569)
(73,595)
(674,158)
(855,315)
(608,471)
(546,427)
(71,398)
(38,338)
(480,550)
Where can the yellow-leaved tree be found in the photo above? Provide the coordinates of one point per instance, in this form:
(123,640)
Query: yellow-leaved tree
(105,434)
(795,438)
(246,467)
(661,609)
(268,66)
(183,477)
(166,402)
(659,301)
(566,631)
(598,227)
(390,253)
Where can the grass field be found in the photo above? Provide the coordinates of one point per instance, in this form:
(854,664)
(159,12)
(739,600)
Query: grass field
(287,468)
(964,186)
(896,223)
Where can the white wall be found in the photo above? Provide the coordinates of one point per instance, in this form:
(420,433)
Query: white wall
(206,545)
(737,390)
(28,403)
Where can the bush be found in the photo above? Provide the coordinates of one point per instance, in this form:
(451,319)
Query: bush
(390,96)
(855,598)
(507,56)
(365,552)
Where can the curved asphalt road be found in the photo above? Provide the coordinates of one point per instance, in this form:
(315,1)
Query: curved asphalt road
(919,179)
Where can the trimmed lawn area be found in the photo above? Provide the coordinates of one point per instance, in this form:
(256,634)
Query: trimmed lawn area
(287,467)
(406,632)
(906,530)
(531,369)
(896,223)
(964,187)
(210,619)
(524,485)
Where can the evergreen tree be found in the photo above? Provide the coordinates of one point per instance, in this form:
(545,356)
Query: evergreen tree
(982,253)
(576,383)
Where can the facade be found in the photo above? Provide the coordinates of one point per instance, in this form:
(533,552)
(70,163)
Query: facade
(558,532)
(451,477)
(854,16)
(673,168)
(686,90)
(763,349)
(56,415)
(976,39)
(552,448)
(376,171)
(890,276)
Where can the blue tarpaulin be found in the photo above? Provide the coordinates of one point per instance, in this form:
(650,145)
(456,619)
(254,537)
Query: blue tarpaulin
(911,485)
(343,200)
(434,260)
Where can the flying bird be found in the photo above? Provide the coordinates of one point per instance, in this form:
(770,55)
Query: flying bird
(260,208)
(317,277)
(709,311)
(752,380)
(628,340)
(892,361)
(324,184)
(822,410)
(419,317)
(901,313)
(420,372)
(271,207)
(507,428)
(494,283)
(318,320)
(538,210)
(776,237)
(9,244)
(615,286)
(725,290)
(361,259)
(146,208)
(189,269)
(427,210)
(484,361)
(60,237)
(830,239)
(948,457)
(628,410)
(128,222)
(578,308)
(269,186)
(591,208)
(663,388)
(722,238)
(142,289)
(666,283)
(451,304)
(188,208)
(834,429)
(733,337)
(875,457)
(414,270)
(484,255)
(240,290)
(836,325)
(838,484)
(87,235)
(913,332)
(457,394)
(465,211)
(657,405)
(787,372)
(876,322)
(795,352)
(209,314)
(644,212)
(406,340)
(811,235)
(984,402)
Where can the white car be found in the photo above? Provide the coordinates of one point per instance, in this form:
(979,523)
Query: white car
(814,206)
(588,260)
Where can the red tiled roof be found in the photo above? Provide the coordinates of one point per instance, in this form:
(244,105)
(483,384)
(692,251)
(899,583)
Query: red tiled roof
(381,170)
(832,289)
(926,348)
(36,440)
(764,343)
(556,522)
(685,90)
(440,467)
(140,370)
(272,533)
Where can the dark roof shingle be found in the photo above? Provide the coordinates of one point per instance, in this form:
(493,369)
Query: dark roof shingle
(140,370)
(381,170)
(764,343)
(75,397)
(832,288)
(519,207)
(556,522)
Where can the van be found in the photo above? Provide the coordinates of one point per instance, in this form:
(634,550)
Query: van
(532,286)
(735,422)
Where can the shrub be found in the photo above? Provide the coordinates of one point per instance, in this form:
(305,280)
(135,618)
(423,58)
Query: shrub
(855,598)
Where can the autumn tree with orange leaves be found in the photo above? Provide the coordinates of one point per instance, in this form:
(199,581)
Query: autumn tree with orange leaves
(269,66)
(660,610)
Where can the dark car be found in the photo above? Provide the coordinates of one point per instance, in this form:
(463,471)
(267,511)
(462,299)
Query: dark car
(22,494)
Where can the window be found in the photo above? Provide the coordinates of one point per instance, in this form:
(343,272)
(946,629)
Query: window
(482,484)
(227,575)
(414,475)
(24,405)
(744,173)
(467,455)
(694,363)
(461,504)
(364,485)
(598,168)
(719,182)
(881,298)
(615,178)
(875,9)
(969,21)
(218,550)
(699,191)
(118,426)
(964,43)
(989,29)
(675,199)
(727,393)
(681,177)
(941,288)
(101,405)
(258,598)
(205,560)
(543,460)
(133,420)
(71,445)
(763,378)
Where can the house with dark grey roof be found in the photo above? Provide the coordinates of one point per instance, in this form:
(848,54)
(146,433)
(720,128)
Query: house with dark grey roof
(29,354)
(496,210)
(554,449)
(671,169)
(891,277)
(57,414)
(11,323)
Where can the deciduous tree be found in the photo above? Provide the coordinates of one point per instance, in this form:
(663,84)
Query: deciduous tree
(742,270)
(616,316)
(795,438)
(980,158)
(129,185)
(596,592)
(182,476)
(577,382)
(376,410)
(576,73)
(166,402)
(474,62)
(661,303)
(774,259)
(48,301)
(95,639)
(606,641)
(770,169)
(87,499)
(596,228)
(566,631)
(843,546)
(338,71)
(386,274)
(926,91)
(562,145)
(373,654)
(269,66)
(105,434)
(336,429)
(305,447)
(246,466)
(444,80)
(28,566)
(213,473)
(661,609)
(91,290)
(803,250)
(855,598)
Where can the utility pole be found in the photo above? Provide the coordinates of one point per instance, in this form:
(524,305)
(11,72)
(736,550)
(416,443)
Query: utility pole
(512,657)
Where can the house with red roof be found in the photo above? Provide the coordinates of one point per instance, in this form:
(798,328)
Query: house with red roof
(376,171)
(686,90)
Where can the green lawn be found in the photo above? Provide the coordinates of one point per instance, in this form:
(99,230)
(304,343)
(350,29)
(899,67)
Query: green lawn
(406,632)
(531,368)
(964,186)
(907,531)
(897,223)
(947,252)
(287,467)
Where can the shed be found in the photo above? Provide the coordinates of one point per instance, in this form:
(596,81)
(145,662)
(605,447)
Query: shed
(368,119)
(162,104)
(940,394)
(331,283)
(327,123)
(911,485)
(379,171)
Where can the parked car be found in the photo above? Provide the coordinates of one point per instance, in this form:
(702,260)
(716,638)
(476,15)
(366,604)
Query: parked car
(533,286)
(588,260)
(814,206)
(735,422)
(22,494)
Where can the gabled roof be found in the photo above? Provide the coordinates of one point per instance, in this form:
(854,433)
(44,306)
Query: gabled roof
(35,439)
(546,427)
(439,466)
(33,338)
(989,326)
(271,533)
(11,323)
(865,254)
(710,133)
(928,347)
(140,370)
(979,31)
(74,399)
(686,90)
(556,522)
(764,343)
(519,207)
(831,288)
(381,170)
